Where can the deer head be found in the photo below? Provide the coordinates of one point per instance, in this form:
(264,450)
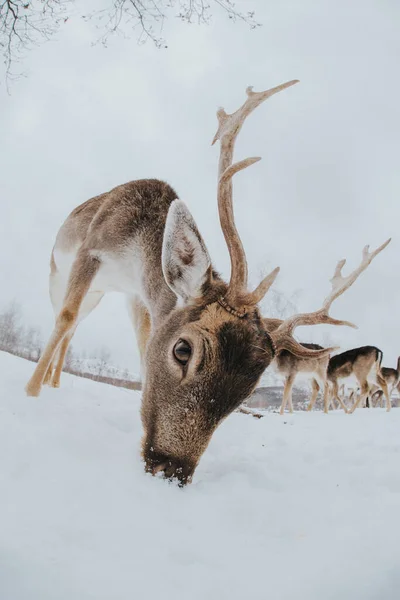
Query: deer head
(206,355)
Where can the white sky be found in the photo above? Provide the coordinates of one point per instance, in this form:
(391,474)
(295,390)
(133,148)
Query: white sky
(89,118)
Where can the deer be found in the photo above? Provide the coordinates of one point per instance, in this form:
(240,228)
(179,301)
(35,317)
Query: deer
(392,378)
(290,364)
(202,341)
(363,364)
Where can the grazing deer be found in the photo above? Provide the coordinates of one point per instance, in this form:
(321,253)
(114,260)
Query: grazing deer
(363,364)
(392,378)
(289,365)
(203,342)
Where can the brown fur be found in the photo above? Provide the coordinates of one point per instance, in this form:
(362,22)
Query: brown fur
(391,376)
(180,411)
(83,271)
(290,365)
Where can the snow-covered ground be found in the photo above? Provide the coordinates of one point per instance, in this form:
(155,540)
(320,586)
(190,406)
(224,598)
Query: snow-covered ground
(301,507)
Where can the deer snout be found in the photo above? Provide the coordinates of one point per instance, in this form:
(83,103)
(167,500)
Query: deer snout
(175,469)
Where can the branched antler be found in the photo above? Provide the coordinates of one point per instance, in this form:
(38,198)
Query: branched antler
(282,335)
(228,130)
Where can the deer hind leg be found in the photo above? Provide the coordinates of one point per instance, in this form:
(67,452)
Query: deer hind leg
(57,289)
(336,395)
(83,271)
(315,389)
(327,397)
(55,380)
(58,286)
(332,401)
(49,374)
(141,321)
(89,303)
(287,393)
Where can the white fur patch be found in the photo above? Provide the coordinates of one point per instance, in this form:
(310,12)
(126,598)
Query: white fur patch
(117,273)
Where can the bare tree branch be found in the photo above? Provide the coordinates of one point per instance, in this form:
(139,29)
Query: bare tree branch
(28,23)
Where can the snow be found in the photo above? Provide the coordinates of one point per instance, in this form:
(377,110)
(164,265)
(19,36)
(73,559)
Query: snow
(302,507)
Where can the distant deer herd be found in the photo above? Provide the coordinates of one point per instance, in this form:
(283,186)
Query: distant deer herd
(203,343)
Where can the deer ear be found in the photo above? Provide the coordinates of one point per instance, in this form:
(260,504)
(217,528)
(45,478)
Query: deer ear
(185,260)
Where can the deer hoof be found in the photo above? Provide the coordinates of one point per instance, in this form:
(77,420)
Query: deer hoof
(32,390)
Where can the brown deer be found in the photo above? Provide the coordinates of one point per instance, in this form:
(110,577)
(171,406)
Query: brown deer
(392,378)
(363,364)
(203,342)
(289,365)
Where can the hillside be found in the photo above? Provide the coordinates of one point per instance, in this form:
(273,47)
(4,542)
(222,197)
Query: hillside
(300,507)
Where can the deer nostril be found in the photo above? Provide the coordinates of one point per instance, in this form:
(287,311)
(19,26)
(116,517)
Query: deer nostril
(170,470)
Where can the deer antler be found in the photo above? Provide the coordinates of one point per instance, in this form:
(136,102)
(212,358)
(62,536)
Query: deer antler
(228,130)
(282,335)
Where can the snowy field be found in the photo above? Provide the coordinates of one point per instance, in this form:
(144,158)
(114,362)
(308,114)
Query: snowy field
(301,507)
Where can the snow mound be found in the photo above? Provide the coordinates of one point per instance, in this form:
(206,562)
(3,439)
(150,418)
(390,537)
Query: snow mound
(299,507)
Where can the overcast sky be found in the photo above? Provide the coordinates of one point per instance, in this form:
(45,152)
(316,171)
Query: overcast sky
(88,118)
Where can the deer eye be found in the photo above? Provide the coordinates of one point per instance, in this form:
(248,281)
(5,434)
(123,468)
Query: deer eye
(182,352)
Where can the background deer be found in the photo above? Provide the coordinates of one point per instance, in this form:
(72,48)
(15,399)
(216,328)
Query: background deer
(362,364)
(392,378)
(291,362)
(289,365)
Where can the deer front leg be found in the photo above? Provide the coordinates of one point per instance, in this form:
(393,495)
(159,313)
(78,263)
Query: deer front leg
(314,394)
(287,393)
(83,271)
(364,390)
(141,321)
